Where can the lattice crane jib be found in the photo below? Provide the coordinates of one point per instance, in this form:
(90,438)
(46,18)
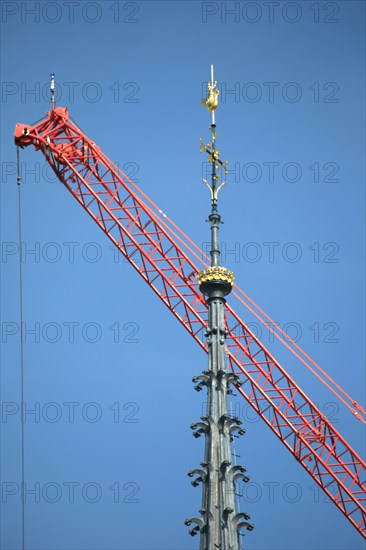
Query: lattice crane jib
(155,251)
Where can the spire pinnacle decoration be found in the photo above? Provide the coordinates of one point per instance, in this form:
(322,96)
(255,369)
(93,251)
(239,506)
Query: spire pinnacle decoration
(211,103)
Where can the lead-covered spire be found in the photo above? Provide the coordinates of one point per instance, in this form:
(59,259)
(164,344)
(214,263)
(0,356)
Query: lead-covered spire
(220,522)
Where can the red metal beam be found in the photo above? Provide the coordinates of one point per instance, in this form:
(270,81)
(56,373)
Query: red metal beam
(104,192)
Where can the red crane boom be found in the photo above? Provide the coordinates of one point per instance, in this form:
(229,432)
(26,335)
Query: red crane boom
(115,205)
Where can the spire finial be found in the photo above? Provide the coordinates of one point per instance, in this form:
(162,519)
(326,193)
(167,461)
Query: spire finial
(211,103)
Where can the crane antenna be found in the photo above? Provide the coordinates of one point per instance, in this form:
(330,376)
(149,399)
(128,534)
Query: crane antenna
(21,346)
(52,88)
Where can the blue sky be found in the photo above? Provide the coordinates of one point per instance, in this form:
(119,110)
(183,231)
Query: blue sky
(291,124)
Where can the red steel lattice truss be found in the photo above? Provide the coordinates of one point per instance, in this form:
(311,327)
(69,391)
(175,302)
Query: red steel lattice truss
(113,203)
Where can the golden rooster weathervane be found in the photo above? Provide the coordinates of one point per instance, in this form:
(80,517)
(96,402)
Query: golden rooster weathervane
(212,100)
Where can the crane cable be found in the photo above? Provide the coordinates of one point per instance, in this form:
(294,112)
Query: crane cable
(21,344)
(347,400)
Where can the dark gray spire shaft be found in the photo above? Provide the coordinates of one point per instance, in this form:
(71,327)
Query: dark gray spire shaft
(220,522)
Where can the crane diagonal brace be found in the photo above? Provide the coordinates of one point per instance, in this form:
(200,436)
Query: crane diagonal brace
(109,198)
